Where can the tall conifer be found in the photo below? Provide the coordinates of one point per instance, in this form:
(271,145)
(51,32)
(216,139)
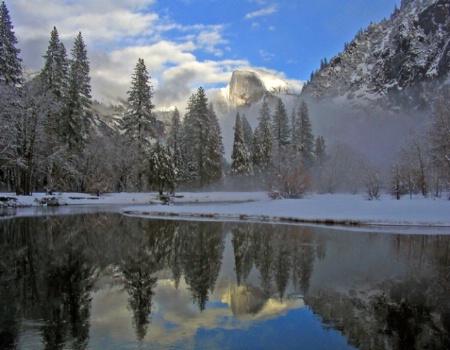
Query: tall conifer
(10,63)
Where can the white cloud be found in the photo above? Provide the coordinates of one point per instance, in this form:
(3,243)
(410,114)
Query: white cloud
(117,33)
(263,12)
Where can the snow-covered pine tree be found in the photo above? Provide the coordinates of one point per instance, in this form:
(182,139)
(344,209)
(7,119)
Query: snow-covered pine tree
(214,149)
(174,137)
(56,67)
(304,141)
(320,150)
(265,136)
(10,63)
(280,125)
(202,141)
(189,144)
(248,134)
(175,142)
(139,120)
(162,171)
(55,76)
(293,127)
(78,103)
(240,158)
(257,151)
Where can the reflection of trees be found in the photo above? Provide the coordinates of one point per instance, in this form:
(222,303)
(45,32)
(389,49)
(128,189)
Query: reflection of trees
(407,313)
(67,283)
(48,268)
(16,281)
(139,283)
(264,255)
(203,258)
(50,278)
(243,250)
(303,256)
(282,264)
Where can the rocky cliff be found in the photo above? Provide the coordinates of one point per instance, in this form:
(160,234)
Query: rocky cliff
(250,85)
(398,63)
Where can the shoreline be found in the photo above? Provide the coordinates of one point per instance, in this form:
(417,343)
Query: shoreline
(328,210)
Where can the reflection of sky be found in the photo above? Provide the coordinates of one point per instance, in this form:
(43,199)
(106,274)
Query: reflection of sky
(177,323)
(298,329)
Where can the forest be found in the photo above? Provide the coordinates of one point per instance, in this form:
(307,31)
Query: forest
(50,140)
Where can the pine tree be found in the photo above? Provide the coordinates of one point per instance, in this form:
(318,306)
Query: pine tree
(78,104)
(248,134)
(174,137)
(257,151)
(265,134)
(189,143)
(280,125)
(320,150)
(174,141)
(55,76)
(139,120)
(56,66)
(202,141)
(293,127)
(304,140)
(214,148)
(162,172)
(240,159)
(10,63)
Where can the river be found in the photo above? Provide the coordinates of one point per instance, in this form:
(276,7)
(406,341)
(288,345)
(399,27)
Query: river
(106,281)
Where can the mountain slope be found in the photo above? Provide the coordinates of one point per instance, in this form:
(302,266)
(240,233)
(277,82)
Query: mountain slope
(397,63)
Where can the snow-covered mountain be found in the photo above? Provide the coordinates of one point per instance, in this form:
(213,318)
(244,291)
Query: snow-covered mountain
(249,85)
(398,63)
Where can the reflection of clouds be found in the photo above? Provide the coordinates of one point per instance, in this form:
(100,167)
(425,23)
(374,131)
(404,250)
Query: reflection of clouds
(251,303)
(175,319)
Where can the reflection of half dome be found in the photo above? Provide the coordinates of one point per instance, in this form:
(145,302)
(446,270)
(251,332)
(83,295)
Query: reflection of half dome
(248,302)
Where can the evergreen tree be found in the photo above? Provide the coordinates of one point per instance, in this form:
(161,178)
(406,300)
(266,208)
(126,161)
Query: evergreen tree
(304,139)
(240,159)
(10,63)
(55,76)
(78,104)
(202,141)
(162,172)
(139,120)
(280,125)
(174,137)
(265,134)
(248,134)
(214,148)
(320,150)
(189,143)
(257,150)
(56,66)
(293,127)
(174,141)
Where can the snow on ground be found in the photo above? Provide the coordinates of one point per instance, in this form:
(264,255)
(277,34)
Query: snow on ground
(343,209)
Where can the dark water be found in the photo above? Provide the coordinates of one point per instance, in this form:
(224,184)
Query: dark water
(106,281)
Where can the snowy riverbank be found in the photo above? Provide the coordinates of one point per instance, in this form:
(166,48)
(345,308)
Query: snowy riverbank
(341,209)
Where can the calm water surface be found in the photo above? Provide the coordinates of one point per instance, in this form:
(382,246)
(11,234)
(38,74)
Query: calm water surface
(106,281)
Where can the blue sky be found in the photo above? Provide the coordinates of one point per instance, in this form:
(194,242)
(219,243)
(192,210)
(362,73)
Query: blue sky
(187,43)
